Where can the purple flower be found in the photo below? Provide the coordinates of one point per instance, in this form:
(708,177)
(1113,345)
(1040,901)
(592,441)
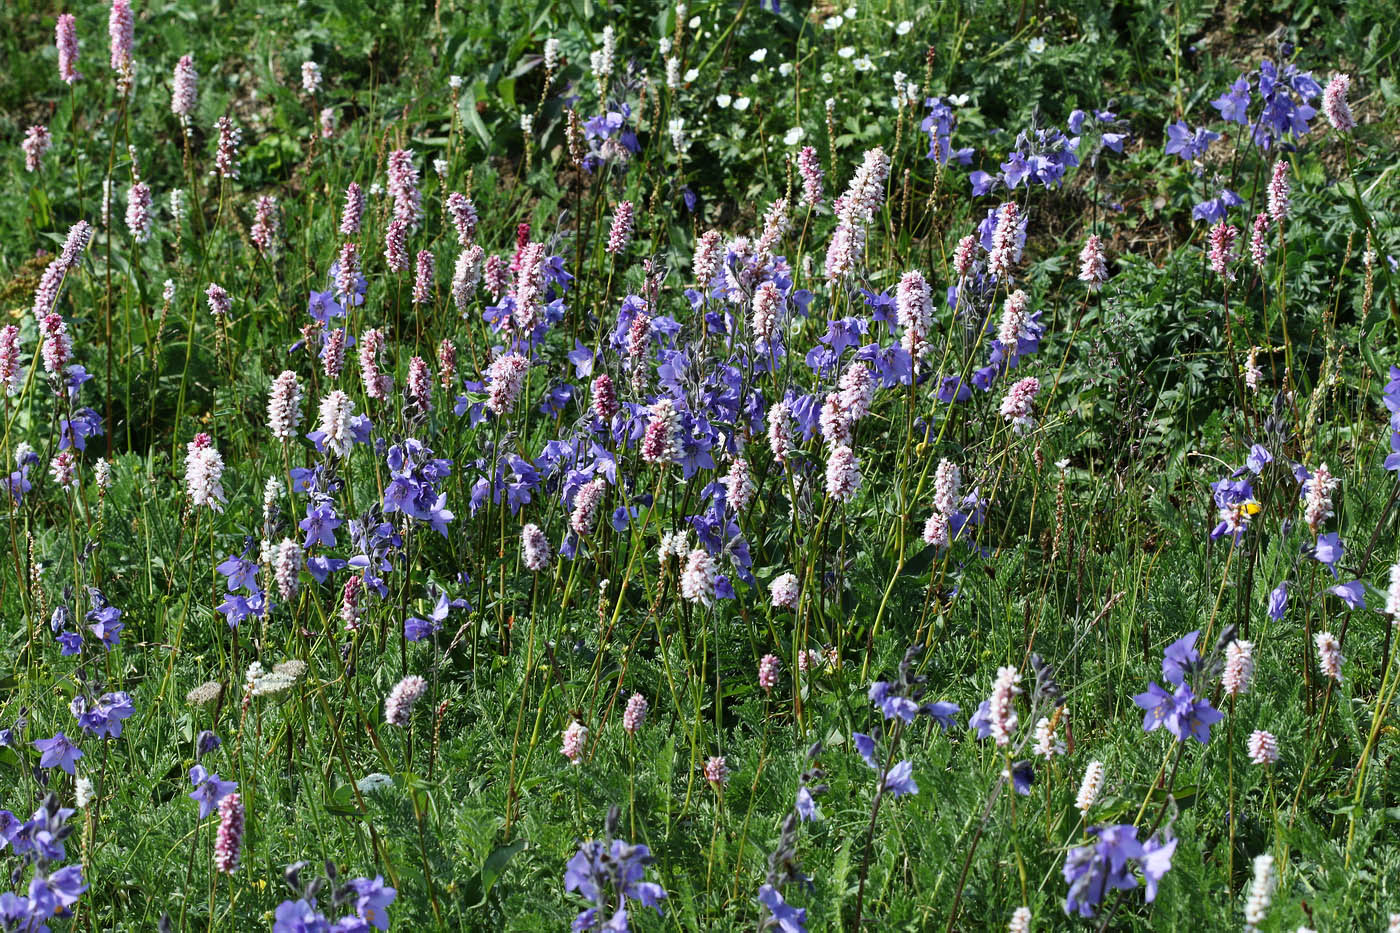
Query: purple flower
(1259,457)
(1156,861)
(320,524)
(58,751)
(1234,103)
(242,574)
(372,901)
(208,790)
(891,704)
(787,918)
(806,805)
(1181,659)
(1353,594)
(1214,210)
(1188,144)
(865,745)
(1278,601)
(1095,869)
(899,780)
(1182,712)
(1328,550)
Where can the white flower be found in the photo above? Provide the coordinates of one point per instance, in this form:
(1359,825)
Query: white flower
(694,23)
(82,793)
(758,55)
(826,77)
(846,51)
(691,74)
(850,12)
(376,781)
(1036,45)
(793,136)
(741,104)
(785,69)
(903,28)
(723,100)
(959,100)
(664,46)
(834,23)
(527,124)
(455,82)
(440,166)
(864,63)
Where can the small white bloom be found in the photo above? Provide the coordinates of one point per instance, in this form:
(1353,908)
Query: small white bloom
(741,104)
(691,74)
(527,124)
(826,77)
(834,23)
(793,136)
(455,82)
(82,793)
(1036,45)
(440,166)
(850,12)
(664,46)
(903,28)
(846,51)
(753,78)
(864,63)
(376,781)
(785,69)
(758,55)
(694,22)
(959,100)
(723,101)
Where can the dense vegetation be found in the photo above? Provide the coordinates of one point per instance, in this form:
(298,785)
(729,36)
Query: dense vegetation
(744,465)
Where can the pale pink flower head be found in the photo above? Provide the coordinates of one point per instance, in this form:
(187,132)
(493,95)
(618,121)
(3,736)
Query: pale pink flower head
(620,236)
(587,502)
(1334,103)
(809,166)
(423,278)
(1018,406)
(717,772)
(1093,268)
(964,254)
(738,485)
(575,737)
(204,470)
(284,406)
(228,841)
(353,211)
(505,378)
(463,213)
(605,403)
(310,77)
(843,477)
(1239,667)
(1329,655)
(121,29)
(783,591)
(11,371)
(66,39)
(768,673)
(1279,192)
(635,714)
(37,141)
(226,155)
(698,578)
(399,704)
(780,437)
(219,301)
(534,547)
(1263,747)
(184,88)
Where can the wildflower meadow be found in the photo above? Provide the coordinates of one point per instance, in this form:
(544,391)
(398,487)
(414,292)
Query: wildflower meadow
(559,465)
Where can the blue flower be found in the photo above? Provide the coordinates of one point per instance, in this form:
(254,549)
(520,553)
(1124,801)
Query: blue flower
(1278,601)
(1182,712)
(1182,141)
(899,780)
(1328,550)
(1353,594)
(59,752)
(1234,103)
(787,918)
(1181,659)
(208,790)
(372,901)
